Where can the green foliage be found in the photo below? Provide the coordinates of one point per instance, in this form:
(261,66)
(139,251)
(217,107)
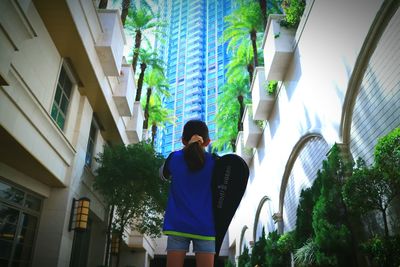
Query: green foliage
(387,155)
(293,9)
(229,263)
(228,114)
(306,254)
(277,250)
(271,87)
(128,179)
(286,242)
(244,258)
(258,251)
(241,22)
(329,221)
(304,229)
(384,252)
(369,189)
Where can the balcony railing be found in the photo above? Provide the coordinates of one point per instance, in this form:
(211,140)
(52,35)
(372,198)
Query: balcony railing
(241,150)
(125,91)
(110,44)
(134,124)
(278,46)
(251,131)
(263,102)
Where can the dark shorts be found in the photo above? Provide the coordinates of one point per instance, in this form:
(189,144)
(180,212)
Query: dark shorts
(180,243)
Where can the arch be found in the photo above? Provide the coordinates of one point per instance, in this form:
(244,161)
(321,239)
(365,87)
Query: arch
(244,229)
(257,217)
(382,19)
(289,165)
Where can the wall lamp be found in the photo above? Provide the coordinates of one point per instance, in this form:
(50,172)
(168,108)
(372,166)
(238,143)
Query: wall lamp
(115,243)
(79,214)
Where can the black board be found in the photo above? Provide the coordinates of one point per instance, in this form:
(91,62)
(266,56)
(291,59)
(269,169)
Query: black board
(229,182)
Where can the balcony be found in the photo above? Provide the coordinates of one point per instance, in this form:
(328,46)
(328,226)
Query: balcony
(110,44)
(263,102)
(193,107)
(278,49)
(140,242)
(134,124)
(251,131)
(125,91)
(245,153)
(195,90)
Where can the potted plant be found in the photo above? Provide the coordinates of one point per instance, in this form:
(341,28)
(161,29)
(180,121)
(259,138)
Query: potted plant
(263,95)
(251,128)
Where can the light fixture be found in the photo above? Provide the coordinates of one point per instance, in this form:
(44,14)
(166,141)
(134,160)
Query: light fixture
(79,214)
(115,243)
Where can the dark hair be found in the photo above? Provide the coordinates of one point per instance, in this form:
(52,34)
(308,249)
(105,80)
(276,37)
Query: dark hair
(194,152)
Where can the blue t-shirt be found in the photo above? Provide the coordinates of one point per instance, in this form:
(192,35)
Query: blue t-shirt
(189,210)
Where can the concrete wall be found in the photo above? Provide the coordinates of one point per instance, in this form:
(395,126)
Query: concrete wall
(51,161)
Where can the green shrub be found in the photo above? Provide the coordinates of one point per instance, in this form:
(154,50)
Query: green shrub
(384,252)
(387,155)
(244,258)
(271,87)
(293,10)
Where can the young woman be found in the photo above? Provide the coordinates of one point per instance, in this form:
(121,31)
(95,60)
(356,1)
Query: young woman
(189,214)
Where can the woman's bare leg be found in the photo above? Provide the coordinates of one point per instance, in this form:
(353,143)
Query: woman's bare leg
(176,258)
(204,259)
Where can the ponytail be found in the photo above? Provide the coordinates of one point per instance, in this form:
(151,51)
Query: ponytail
(194,154)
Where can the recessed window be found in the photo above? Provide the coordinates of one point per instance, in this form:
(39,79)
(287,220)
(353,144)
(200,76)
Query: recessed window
(91,142)
(61,99)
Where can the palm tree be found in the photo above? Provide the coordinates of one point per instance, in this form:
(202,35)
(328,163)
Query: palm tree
(155,79)
(241,63)
(231,103)
(274,7)
(158,115)
(247,20)
(103,4)
(147,58)
(228,110)
(126,4)
(138,21)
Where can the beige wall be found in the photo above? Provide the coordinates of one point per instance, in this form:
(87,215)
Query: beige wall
(51,161)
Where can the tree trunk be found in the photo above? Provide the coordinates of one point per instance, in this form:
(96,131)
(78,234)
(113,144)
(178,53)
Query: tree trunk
(233,144)
(119,249)
(240,124)
(125,8)
(138,41)
(153,133)
(385,222)
(250,69)
(143,67)
(146,109)
(110,219)
(103,4)
(253,37)
(263,7)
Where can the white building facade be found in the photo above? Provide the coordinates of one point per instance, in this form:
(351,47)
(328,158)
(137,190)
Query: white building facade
(65,92)
(339,82)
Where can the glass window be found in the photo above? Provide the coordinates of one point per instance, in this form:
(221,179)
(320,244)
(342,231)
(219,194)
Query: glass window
(18,225)
(91,142)
(61,98)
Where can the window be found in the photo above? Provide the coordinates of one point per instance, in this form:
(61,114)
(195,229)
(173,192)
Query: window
(91,142)
(20,213)
(61,99)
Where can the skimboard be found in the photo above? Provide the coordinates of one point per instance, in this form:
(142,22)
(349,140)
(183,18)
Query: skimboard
(229,183)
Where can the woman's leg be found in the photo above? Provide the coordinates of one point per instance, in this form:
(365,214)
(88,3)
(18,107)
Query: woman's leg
(204,259)
(176,258)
